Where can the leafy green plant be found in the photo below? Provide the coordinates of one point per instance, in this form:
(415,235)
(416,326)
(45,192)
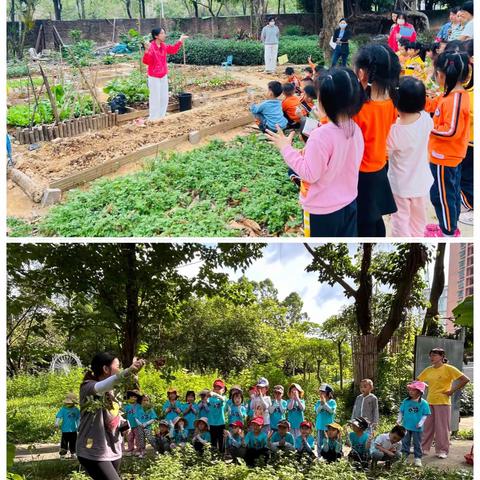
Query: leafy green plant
(17,227)
(466,401)
(134,87)
(189,194)
(293,30)
(16,69)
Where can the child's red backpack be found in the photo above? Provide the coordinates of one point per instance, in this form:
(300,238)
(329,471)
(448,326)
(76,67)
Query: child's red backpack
(469,457)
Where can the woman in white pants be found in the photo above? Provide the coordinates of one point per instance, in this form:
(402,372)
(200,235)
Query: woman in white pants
(155,57)
(270,36)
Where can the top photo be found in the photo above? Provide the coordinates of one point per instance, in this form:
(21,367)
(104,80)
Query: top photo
(236,118)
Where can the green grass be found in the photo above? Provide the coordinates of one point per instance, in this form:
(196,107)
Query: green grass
(197,193)
(17,227)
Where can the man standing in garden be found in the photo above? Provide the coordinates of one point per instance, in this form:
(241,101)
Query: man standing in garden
(270,37)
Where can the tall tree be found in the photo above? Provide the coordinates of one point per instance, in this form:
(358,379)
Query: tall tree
(57,8)
(81,9)
(332,12)
(400,270)
(128,6)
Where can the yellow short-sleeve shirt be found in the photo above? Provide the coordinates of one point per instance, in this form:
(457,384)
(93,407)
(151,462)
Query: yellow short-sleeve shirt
(439,380)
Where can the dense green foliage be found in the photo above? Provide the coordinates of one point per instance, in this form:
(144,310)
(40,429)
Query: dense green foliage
(133,86)
(189,194)
(16,69)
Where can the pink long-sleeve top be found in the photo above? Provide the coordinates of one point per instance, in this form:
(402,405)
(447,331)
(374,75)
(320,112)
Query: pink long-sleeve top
(328,166)
(392,38)
(156,58)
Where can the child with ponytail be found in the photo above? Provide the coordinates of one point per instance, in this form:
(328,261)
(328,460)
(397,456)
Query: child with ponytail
(448,141)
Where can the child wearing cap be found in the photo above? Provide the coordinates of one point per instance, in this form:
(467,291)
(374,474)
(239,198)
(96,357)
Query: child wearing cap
(190,411)
(255,442)
(305,443)
(180,433)
(261,403)
(145,416)
(325,410)
(69,417)
(202,435)
(295,408)
(233,440)
(133,404)
(332,448)
(281,438)
(216,415)
(172,408)
(278,408)
(387,446)
(163,438)
(412,415)
(366,405)
(359,441)
(236,410)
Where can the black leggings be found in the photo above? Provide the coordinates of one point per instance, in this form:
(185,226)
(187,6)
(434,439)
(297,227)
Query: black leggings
(372,229)
(101,470)
(216,432)
(68,442)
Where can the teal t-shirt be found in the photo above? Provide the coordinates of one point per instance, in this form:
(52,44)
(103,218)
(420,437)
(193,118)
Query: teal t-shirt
(236,413)
(172,414)
(180,436)
(299,443)
(203,409)
(206,436)
(359,443)
(131,413)
(190,417)
(216,414)
(257,442)
(145,416)
(324,418)
(296,416)
(276,437)
(412,412)
(70,419)
(277,413)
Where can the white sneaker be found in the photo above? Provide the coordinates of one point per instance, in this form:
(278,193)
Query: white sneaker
(417,462)
(442,455)
(466,217)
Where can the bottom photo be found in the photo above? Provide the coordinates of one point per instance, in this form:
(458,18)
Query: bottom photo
(239,361)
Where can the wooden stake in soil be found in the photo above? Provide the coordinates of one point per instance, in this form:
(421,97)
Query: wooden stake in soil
(50,133)
(55,131)
(40,134)
(50,95)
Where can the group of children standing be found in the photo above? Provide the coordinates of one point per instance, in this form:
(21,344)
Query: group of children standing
(384,140)
(261,426)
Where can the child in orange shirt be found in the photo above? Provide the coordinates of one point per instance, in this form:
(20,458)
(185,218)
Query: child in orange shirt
(290,105)
(378,70)
(293,79)
(448,141)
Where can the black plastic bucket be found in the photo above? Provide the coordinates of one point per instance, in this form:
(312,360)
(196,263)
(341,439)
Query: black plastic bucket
(184,101)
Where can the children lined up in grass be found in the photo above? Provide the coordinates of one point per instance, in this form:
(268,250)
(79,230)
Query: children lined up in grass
(261,427)
(375,139)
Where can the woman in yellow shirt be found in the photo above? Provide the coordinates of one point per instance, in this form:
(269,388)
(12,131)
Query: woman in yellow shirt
(440,377)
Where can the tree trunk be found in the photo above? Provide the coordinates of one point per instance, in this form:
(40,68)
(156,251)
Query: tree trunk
(363,296)
(57,7)
(141,8)
(195,8)
(365,358)
(340,363)
(130,334)
(332,12)
(12,11)
(127,7)
(279,5)
(438,284)
(416,259)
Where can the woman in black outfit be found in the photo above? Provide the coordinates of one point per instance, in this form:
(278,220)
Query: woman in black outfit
(341,37)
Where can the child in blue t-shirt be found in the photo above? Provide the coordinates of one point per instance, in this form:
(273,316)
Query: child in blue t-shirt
(278,408)
(269,113)
(295,408)
(332,448)
(234,440)
(172,408)
(305,443)
(236,410)
(414,410)
(133,403)
(180,433)
(201,436)
(325,410)
(145,417)
(202,405)
(359,441)
(190,412)
(69,418)
(255,442)
(281,438)
(216,415)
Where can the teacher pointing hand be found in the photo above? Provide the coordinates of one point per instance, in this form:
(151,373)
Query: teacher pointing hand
(155,57)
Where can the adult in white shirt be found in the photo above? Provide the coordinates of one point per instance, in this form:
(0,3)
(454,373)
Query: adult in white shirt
(270,37)
(466,15)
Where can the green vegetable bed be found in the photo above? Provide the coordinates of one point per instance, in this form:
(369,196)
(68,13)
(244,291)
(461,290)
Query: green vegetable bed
(198,193)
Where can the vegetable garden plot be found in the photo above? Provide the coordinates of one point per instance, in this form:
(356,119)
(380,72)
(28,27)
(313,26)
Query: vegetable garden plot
(223,189)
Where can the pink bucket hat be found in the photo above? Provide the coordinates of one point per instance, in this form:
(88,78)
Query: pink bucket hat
(420,386)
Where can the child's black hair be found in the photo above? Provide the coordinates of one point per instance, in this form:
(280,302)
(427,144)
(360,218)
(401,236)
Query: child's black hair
(456,68)
(454,10)
(310,91)
(420,47)
(398,430)
(403,42)
(189,392)
(320,67)
(289,71)
(382,67)
(308,69)
(467,47)
(468,7)
(288,89)
(340,94)
(270,19)
(275,87)
(411,95)
(453,46)
(433,47)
